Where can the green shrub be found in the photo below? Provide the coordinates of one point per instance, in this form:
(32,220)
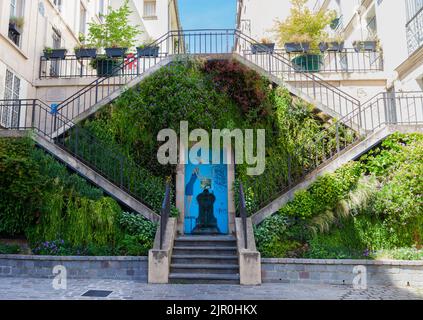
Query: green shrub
(139,234)
(9,249)
(352,216)
(21,184)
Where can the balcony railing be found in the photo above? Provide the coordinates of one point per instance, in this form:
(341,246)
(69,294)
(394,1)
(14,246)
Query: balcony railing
(415,32)
(72,67)
(348,60)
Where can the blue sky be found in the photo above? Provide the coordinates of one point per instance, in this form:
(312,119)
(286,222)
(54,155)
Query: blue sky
(207,14)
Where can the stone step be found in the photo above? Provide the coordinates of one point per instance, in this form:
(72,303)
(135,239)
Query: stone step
(205,241)
(207,250)
(188,278)
(204,268)
(204,259)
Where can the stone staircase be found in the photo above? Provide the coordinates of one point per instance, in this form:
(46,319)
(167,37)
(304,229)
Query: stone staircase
(205,259)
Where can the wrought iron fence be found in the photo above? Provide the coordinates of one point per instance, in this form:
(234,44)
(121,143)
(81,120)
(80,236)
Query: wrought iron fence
(332,98)
(345,61)
(414,29)
(206,42)
(74,67)
(164,215)
(243,214)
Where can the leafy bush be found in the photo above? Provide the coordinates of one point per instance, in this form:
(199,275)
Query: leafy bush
(139,234)
(304,25)
(116,29)
(246,87)
(9,249)
(356,216)
(21,184)
(59,212)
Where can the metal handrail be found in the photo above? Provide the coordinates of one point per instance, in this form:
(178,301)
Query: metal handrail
(200,41)
(384,108)
(164,215)
(243,214)
(311,77)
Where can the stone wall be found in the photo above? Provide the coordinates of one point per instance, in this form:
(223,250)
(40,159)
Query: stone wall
(398,273)
(120,268)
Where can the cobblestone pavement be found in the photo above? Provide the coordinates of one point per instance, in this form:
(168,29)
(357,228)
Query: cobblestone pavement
(42,289)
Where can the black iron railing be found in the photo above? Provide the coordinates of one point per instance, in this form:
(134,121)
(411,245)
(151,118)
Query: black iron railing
(106,160)
(243,214)
(414,29)
(206,42)
(345,61)
(74,67)
(117,76)
(337,101)
(164,215)
(401,108)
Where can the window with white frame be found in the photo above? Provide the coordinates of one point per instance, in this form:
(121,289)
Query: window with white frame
(16,21)
(82,19)
(9,111)
(12,8)
(149,8)
(101,9)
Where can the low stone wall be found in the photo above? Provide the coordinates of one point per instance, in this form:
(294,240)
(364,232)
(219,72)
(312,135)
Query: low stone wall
(120,268)
(398,273)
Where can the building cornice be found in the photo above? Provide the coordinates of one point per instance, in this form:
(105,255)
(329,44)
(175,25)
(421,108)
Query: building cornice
(412,62)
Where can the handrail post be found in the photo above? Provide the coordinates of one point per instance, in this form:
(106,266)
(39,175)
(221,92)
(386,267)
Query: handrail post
(164,216)
(243,215)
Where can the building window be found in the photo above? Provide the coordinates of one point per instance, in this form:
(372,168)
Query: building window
(414,25)
(9,111)
(371,27)
(16,21)
(149,8)
(413,7)
(57,44)
(82,19)
(101,9)
(58,4)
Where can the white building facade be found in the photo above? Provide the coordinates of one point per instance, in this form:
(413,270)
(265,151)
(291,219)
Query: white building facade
(27,27)
(396,24)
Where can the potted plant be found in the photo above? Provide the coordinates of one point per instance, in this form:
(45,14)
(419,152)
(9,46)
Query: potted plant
(300,43)
(16,25)
(115,34)
(264,46)
(334,44)
(302,32)
(106,66)
(148,49)
(84,50)
(50,53)
(368,45)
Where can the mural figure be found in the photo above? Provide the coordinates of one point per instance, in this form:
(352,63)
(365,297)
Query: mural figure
(206,221)
(189,188)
